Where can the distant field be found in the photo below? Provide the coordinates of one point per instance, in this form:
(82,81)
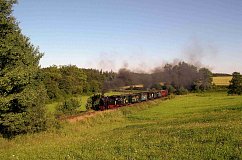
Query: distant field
(123,92)
(222,81)
(195,126)
(134,86)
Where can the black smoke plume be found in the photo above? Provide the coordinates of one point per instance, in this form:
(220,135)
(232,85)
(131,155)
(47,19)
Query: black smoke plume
(179,75)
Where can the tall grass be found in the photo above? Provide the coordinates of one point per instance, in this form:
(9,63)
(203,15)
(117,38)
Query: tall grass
(195,126)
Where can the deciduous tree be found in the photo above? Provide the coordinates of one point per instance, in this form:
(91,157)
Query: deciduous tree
(235,86)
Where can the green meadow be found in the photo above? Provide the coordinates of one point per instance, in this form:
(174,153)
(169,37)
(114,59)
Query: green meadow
(194,126)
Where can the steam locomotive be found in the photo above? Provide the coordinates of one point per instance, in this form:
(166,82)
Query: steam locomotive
(99,102)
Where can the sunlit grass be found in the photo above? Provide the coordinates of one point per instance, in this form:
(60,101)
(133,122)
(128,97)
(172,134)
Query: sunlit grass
(195,126)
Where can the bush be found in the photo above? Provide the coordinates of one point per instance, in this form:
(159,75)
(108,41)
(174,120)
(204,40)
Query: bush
(181,91)
(89,103)
(235,86)
(170,89)
(93,102)
(69,106)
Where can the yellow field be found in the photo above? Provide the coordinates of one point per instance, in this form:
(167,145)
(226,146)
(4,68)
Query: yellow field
(135,86)
(222,81)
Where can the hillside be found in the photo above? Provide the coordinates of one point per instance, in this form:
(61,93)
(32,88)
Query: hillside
(196,126)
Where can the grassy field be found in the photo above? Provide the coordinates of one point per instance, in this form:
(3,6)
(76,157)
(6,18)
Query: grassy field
(195,126)
(51,107)
(222,81)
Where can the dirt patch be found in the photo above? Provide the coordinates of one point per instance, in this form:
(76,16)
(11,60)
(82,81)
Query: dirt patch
(76,118)
(88,114)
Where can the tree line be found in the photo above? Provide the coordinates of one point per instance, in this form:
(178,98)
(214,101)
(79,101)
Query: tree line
(64,81)
(176,77)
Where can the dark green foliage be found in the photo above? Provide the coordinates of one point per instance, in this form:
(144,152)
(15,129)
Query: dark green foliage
(93,86)
(93,102)
(205,79)
(180,75)
(73,79)
(65,81)
(170,88)
(187,76)
(89,103)
(219,88)
(95,80)
(181,91)
(156,86)
(69,106)
(221,75)
(22,95)
(235,86)
(51,78)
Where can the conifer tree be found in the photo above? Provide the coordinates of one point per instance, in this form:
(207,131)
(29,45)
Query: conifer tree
(22,96)
(235,86)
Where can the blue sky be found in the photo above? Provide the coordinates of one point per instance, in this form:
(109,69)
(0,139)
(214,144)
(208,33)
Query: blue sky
(138,34)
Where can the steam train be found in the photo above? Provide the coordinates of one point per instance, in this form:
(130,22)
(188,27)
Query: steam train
(99,102)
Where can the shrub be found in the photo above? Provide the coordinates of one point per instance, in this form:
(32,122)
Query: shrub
(235,86)
(69,106)
(93,102)
(182,91)
(89,103)
(170,89)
